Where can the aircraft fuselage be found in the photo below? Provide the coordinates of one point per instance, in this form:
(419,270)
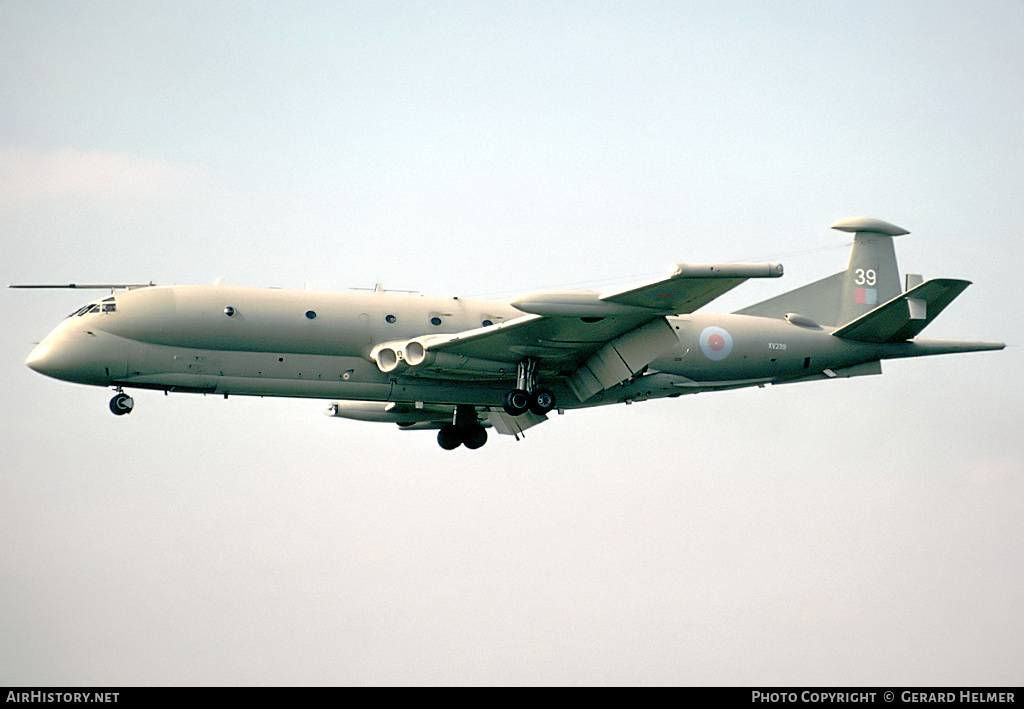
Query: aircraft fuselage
(271,342)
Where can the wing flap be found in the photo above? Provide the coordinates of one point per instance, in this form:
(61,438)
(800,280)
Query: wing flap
(621,358)
(512,425)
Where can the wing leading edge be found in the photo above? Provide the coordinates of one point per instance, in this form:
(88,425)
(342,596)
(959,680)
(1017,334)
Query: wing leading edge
(692,286)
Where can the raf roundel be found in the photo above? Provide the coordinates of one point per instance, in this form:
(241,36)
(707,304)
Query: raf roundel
(715,343)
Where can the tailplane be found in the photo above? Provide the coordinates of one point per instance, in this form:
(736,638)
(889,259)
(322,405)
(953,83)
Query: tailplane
(903,317)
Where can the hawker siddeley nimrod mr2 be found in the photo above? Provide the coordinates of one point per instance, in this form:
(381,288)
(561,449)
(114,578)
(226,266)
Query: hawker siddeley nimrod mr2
(461,366)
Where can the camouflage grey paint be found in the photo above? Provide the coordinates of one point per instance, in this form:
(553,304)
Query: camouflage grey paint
(268,342)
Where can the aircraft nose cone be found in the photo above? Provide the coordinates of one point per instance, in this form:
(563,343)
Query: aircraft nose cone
(85,357)
(41,359)
(55,358)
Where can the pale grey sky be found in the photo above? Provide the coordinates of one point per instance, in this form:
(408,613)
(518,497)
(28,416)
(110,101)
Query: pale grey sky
(856,532)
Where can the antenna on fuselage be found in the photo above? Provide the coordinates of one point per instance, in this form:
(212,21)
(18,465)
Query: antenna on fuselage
(379,288)
(85,286)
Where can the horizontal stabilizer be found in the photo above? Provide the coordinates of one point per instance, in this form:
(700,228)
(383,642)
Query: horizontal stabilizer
(906,315)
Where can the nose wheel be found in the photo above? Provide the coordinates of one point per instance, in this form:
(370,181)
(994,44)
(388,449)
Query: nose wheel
(121,404)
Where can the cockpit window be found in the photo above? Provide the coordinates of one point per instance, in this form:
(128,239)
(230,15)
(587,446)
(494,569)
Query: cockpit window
(86,309)
(109,307)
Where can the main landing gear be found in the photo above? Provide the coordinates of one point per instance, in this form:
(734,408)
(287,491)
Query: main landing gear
(464,430)
(527,396)
(121,404)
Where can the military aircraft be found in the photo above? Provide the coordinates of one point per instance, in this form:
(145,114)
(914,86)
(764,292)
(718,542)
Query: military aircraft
(462,366)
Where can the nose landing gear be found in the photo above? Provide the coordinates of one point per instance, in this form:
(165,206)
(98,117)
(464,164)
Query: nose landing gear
(527,396)
(121,404)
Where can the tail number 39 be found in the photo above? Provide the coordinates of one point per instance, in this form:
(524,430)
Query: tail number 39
(865,278)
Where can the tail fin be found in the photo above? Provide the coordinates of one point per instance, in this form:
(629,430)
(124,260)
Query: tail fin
(870,279)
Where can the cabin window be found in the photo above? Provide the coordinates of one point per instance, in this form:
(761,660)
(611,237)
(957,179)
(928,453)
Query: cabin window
(487,323)
(435,321)
(310,314)
(391,319)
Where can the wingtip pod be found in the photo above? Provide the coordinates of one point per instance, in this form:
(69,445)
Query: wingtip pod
(868,225)
(727,270)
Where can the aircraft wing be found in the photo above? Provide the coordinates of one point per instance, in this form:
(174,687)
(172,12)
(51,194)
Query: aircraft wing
(554,339)
(566,326)
(597,340)
(692,286)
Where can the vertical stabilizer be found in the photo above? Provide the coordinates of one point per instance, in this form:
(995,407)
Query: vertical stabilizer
(872,277)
